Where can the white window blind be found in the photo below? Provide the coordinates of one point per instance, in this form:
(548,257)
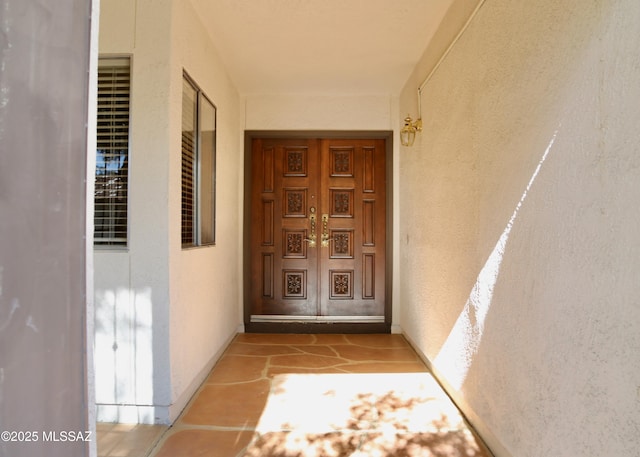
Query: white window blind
(112,153)
(189,110)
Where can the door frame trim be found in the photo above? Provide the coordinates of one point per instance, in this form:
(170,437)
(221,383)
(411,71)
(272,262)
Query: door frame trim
(317,326)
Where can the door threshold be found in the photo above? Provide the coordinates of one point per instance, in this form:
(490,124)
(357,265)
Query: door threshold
(311,324)
(320,319)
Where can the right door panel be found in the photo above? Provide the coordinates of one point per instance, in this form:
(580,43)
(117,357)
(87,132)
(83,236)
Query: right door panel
(352,222)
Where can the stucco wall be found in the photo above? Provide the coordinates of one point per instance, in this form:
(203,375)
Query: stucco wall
(206,305)
(518,238)
(318,112)
(169,311)
(132,286)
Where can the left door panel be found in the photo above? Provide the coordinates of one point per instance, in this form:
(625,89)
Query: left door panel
(284,218)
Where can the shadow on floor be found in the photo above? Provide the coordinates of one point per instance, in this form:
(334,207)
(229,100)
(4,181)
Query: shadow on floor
(319,395)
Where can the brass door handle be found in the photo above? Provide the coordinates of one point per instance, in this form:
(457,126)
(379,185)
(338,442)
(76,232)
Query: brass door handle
(312,220)
(324,241)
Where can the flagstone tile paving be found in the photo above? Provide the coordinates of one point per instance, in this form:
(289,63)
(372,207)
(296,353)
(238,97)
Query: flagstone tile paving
(227,415)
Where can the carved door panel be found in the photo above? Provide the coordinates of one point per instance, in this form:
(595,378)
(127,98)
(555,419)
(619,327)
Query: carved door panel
(353,215)
(284,197)
(318,228)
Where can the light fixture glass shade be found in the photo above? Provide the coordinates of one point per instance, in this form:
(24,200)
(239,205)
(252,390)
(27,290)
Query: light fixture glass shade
(407,136)
(408,132)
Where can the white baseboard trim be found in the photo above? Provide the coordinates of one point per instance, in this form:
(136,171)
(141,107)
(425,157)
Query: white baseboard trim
(183,400)
(330,319)
(494,445)
(132,414)
(159,414)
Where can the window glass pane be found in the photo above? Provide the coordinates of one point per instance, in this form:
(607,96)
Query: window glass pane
(112,153)
(198,166)
(189,107)
(207,170)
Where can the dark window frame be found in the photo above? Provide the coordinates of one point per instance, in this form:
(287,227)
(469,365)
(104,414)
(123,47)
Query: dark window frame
(198,170)
(112,174)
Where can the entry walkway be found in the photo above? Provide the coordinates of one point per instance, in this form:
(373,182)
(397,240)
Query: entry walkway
(319,395)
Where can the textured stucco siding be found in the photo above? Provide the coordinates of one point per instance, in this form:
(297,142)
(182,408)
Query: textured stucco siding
(519,250)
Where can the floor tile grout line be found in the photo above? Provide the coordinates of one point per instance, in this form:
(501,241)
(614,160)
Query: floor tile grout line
(157,446)
(214,428)
(179,425)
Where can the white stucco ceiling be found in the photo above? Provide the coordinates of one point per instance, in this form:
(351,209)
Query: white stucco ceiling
(320,46)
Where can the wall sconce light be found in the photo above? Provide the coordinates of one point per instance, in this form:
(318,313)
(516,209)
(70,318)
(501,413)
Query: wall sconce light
(408,132)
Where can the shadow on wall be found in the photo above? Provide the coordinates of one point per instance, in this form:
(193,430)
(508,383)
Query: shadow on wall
(124,356)
(460,347)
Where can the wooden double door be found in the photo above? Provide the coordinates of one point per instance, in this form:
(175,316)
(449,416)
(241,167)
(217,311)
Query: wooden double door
(318,218)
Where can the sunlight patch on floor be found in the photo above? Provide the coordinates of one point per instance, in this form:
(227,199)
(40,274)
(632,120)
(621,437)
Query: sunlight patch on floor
(305,395)
(373,414)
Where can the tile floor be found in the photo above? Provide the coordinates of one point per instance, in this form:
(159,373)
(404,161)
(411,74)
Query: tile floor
(305,396)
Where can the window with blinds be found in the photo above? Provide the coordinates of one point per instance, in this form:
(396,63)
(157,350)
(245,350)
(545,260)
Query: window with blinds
(112,152)
(198,166)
